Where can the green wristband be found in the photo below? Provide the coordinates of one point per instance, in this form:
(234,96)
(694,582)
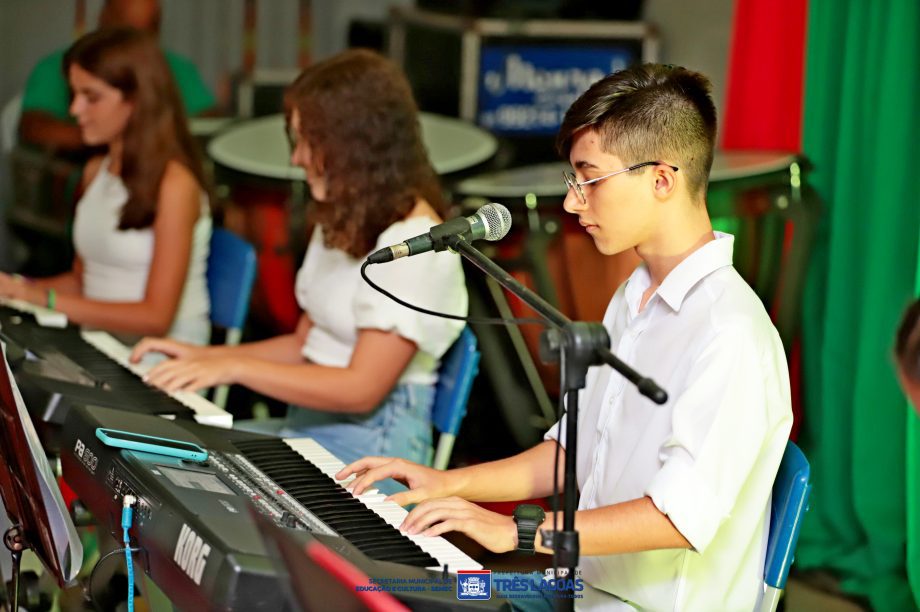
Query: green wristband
(52,299)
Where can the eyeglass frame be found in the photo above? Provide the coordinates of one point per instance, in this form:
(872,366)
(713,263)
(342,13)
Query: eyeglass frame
(571,181)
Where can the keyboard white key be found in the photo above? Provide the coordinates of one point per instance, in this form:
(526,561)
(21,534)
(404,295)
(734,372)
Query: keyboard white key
(43,316)
(437,547)
(206,412)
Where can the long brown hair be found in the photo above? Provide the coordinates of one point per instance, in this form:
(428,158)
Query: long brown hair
(359,118)
(157,131)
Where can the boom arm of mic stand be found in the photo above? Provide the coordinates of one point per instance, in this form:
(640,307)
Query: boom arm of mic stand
(473,255)
(646,386)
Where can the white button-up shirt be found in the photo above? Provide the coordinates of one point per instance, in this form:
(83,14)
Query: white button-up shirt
(708,457)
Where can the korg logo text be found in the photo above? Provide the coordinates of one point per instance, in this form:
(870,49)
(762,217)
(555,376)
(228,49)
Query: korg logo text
(191,553)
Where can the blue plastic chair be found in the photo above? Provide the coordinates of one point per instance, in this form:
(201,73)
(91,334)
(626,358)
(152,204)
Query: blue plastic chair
(459,367)
(790,502)
(231,274)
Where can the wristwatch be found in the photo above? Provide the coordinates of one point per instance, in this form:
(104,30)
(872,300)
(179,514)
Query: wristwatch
(528,518)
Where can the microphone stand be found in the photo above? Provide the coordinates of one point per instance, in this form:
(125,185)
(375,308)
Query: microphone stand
(578,346)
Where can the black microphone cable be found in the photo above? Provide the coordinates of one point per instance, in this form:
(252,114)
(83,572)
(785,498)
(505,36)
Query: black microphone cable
(561,408)
(444,315)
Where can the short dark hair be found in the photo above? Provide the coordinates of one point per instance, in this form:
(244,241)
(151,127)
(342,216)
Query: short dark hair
(647,113)
(907,342)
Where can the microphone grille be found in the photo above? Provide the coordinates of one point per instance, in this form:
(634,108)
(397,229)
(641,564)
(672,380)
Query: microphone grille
(497,220)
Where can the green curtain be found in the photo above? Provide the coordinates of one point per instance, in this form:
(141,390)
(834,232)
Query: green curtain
(913,485)
(861,131)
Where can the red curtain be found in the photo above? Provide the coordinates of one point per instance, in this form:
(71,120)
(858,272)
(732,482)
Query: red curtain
(764,100)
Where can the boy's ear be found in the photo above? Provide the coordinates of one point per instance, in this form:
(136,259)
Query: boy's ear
(665,181)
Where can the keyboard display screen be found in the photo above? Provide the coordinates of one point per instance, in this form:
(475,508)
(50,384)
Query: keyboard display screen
(189,479)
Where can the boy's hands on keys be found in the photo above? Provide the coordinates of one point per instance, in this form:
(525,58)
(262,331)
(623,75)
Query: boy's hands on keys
(435,517)
(423,482)
(436,512)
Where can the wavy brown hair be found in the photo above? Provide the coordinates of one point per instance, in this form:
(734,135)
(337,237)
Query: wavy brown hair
(157,131)
(359,118)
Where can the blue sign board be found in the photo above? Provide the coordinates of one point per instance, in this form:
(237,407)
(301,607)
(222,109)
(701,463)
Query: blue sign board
(526,89)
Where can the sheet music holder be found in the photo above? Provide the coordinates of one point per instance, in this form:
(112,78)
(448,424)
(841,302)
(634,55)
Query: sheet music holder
(322,580)
(38,518)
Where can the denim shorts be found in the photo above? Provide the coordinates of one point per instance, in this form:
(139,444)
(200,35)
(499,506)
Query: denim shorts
(399,427)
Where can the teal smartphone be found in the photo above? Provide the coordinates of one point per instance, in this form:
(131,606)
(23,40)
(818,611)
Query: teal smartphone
(151,444)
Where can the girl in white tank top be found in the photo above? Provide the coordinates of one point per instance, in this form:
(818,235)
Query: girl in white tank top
(116,263)
(143,225)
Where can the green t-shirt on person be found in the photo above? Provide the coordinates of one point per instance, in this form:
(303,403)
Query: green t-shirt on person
(47,89)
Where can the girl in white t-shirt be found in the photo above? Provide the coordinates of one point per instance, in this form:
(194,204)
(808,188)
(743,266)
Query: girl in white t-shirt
(143,225)
(359,370)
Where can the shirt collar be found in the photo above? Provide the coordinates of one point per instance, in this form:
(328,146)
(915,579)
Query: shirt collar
(694,268)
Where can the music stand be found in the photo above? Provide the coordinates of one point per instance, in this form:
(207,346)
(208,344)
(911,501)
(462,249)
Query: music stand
(38,517)
(324,580)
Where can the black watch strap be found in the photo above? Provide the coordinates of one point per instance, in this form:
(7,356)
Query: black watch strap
(526,536)
(528,518)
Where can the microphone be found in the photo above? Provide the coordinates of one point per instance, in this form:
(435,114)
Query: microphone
(491,222)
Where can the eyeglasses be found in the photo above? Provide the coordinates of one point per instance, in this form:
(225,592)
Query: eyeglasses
(571,182)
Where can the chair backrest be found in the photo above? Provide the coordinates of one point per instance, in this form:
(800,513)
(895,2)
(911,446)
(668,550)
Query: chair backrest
(459,367)
(231,273)
(791,490)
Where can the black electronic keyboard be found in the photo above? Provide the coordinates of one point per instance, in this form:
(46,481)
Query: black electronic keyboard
(58,367)
(200,545)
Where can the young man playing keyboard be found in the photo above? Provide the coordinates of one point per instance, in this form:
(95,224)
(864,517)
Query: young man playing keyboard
(674,499)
